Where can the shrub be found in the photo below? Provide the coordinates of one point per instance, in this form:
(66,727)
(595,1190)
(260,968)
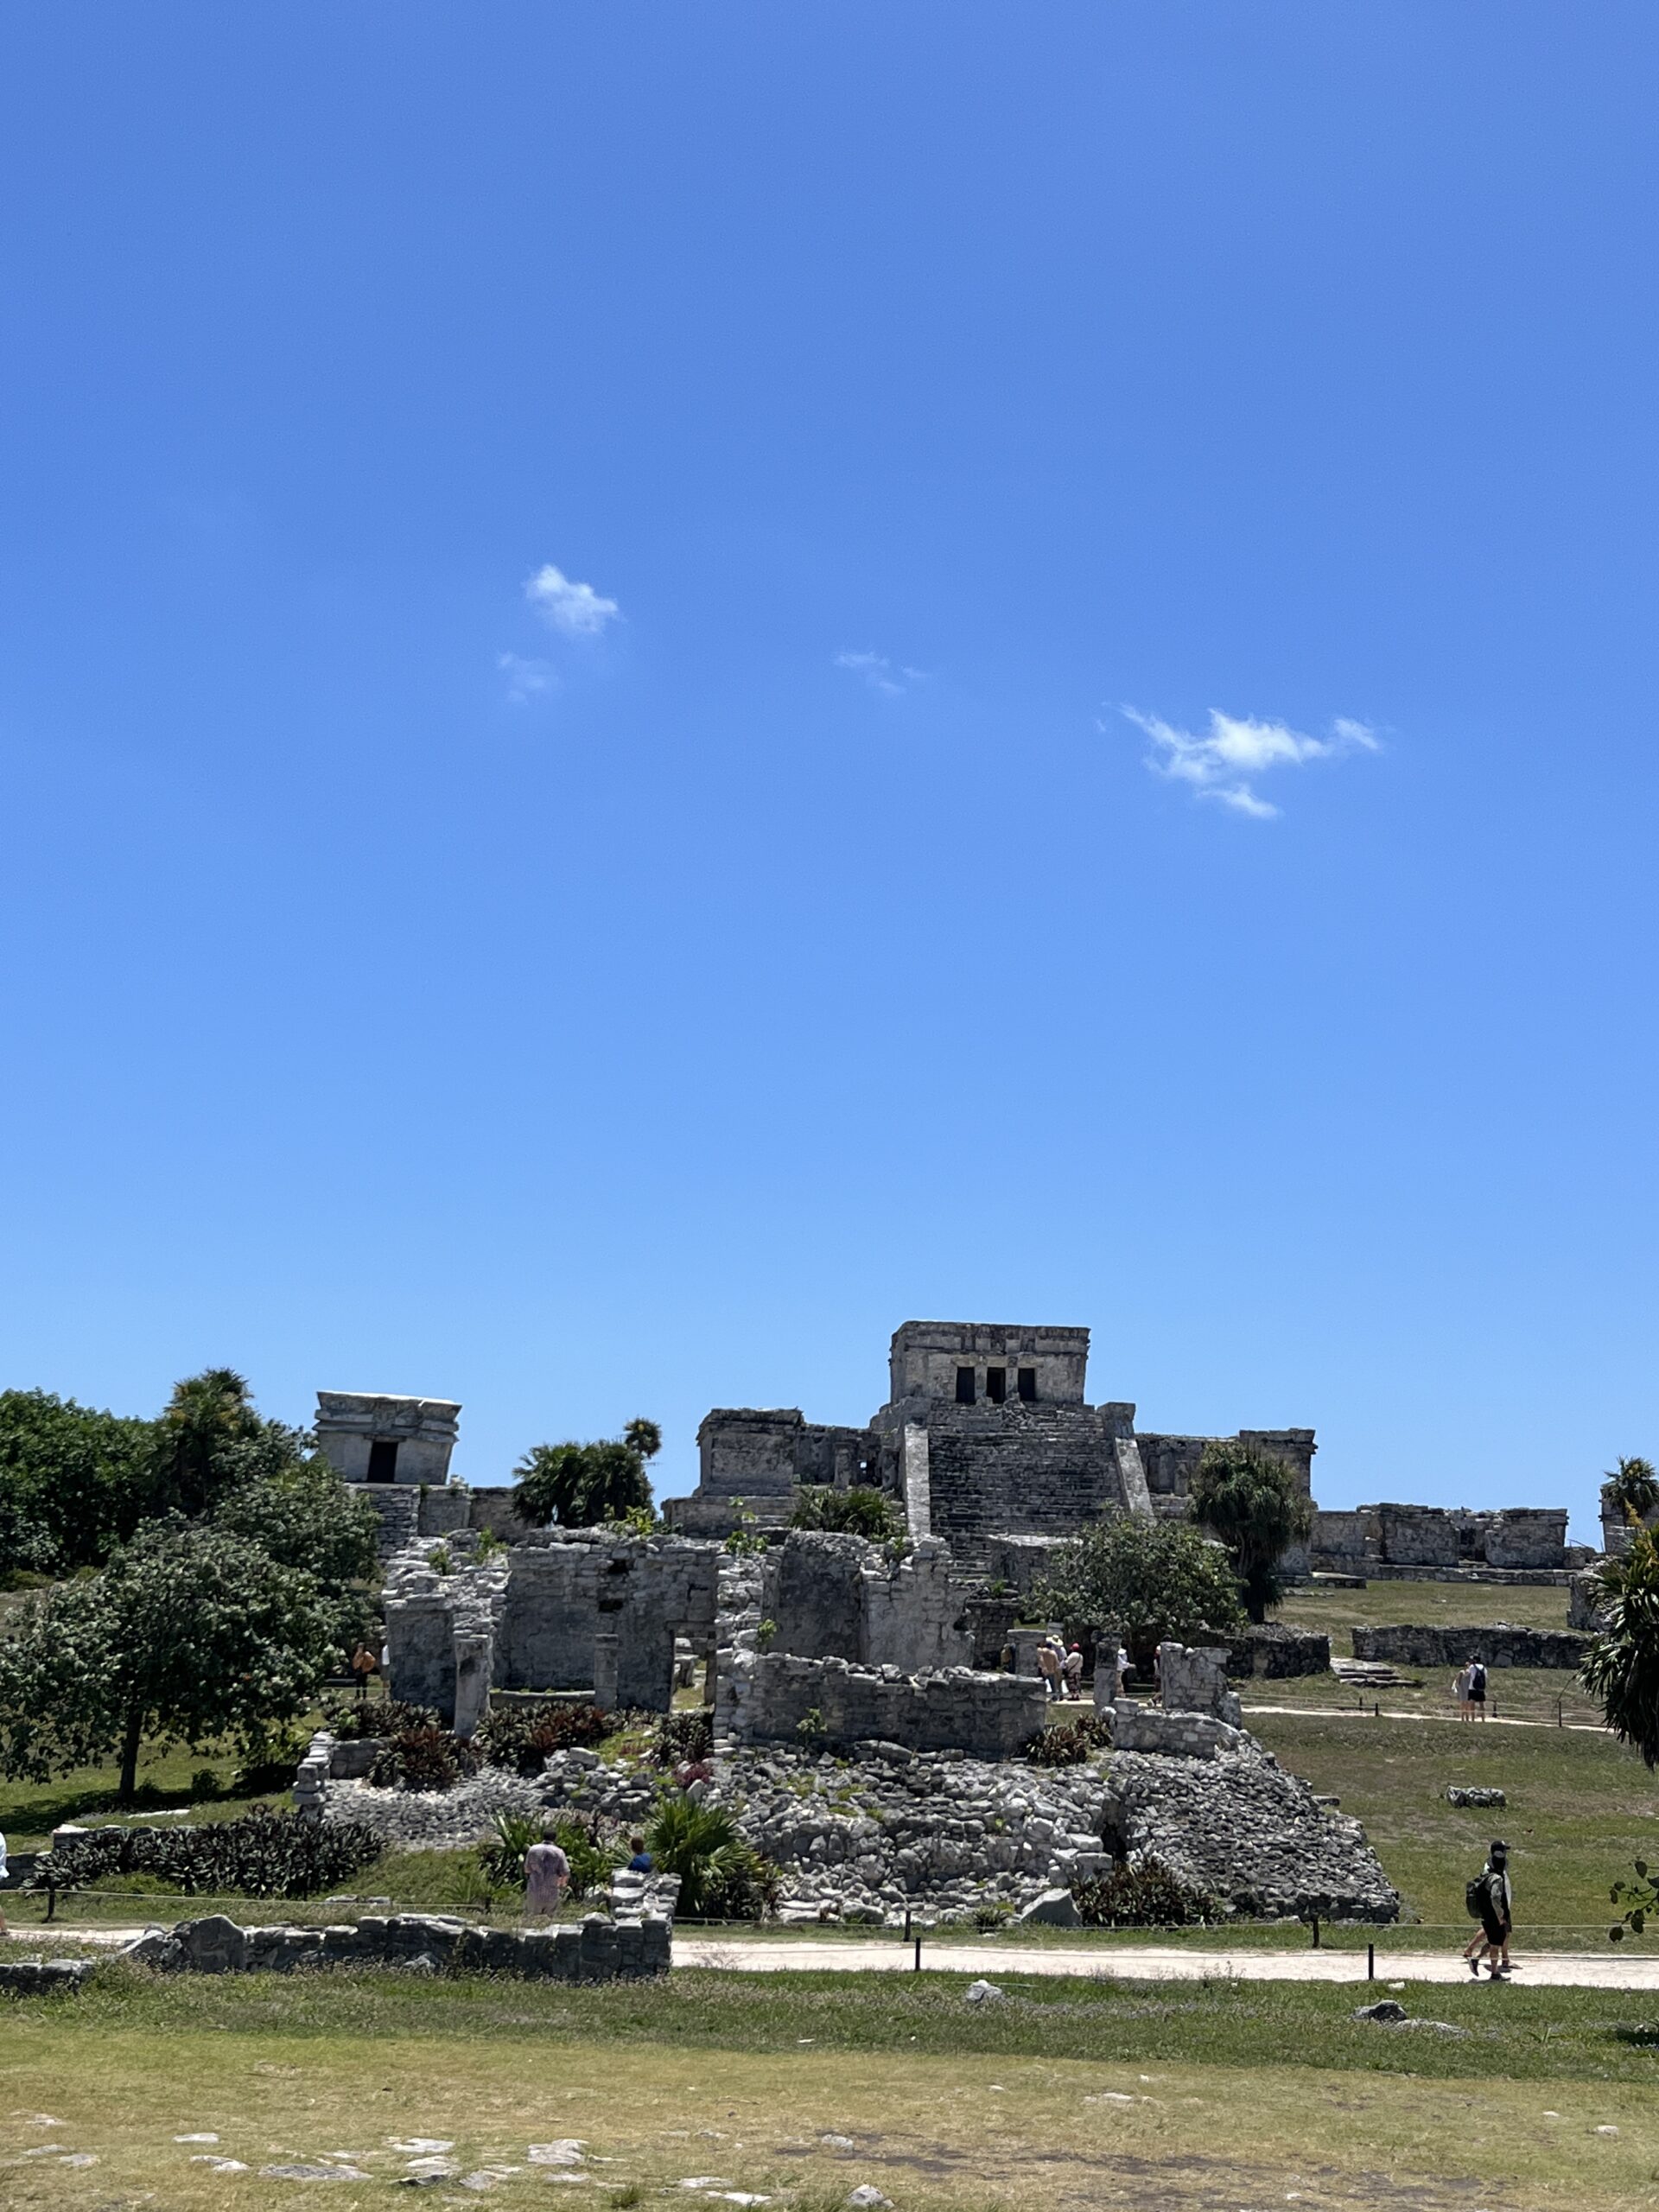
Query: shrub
(1142,1893)
(989,1917)
(350,1719)
(424,1758)
(809,1727)
(269,1767)
(700,1843)
(593,1857)
(860,1511)
(1067,1742)
(503,1856)
(262,1855)
(684,1736)
(524,1737)
(743,1887)
(206,1781)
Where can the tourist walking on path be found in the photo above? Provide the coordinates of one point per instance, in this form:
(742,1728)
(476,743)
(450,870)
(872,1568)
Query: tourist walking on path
(1072,1667)
(1476,1687)
(1489,1896)
(1048,1662)
(546,1872)
(1460,1682)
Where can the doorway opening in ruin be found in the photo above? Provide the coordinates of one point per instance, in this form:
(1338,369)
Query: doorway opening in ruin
(383,1460)
(965,1386)
(1026,1381)
(997,1385)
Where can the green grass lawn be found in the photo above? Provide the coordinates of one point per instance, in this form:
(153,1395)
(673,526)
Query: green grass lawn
(1580,1808)
(1537,1694)
(1066,2095)
(1478,1605)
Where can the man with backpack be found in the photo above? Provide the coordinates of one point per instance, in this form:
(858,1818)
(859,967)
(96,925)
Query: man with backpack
(1490,1901)
(1477,1688)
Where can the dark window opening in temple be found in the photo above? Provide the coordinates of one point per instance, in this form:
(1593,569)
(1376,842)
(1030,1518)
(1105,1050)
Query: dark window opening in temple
(997,1385)
(965,1386)
(1027,1381)
(383,1460)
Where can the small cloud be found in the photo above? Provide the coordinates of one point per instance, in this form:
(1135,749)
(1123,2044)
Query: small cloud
(1221,764)
(526,679)
(575,609)
(880,673)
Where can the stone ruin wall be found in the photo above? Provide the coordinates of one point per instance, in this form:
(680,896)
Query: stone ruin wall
(1435,1537)
(1501,1645)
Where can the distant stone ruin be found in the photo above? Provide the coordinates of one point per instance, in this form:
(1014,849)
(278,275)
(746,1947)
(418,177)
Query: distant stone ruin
(986,1433)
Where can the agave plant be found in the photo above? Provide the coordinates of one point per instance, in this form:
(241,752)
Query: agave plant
(503,1859)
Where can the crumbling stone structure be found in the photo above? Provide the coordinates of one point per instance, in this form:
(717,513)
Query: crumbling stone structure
(594,1950)
(986,1433)
(1501,1645)
(811,1670)
(369,1438)
(573,1609)
(1414,1538)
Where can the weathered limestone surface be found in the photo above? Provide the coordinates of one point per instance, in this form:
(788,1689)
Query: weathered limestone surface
(350,1423)
(1439,1538)
(38,1977)
(1274,1652)
(1193,1679)
(1499,1646)
(543,1616)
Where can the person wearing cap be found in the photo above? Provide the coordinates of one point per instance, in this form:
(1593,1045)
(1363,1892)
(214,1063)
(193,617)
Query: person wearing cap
(1496,1913)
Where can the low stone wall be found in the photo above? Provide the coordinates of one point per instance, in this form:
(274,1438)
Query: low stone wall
(1498,1646)
(42,1977)
(594,1950)
(1273,1653)
(1193,1678)
(989,1716)
(1137,1727)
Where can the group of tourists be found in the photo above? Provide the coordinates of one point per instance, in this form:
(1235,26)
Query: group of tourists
(1469,1688)
(1061,1670)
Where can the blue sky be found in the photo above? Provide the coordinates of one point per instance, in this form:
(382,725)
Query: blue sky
(1103,772)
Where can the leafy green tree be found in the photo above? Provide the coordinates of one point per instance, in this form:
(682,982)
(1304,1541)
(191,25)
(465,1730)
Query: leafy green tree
(1621,1666)
(1252,1502)
(190,1632)
(1149,1579)
(859,1510)
(578,1485)
(1632,1489)
(300,1514)
(74,1482)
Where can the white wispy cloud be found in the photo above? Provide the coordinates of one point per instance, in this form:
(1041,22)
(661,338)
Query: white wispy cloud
(880,673)
(1237,750)
(575,609)
(526,679)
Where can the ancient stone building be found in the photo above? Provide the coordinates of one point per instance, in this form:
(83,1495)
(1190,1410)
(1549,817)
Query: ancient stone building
(987,1431)
(369,1438)
(1415,1540)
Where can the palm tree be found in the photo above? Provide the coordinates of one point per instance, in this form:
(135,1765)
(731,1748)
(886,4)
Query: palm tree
(1253,1504)
(206,1414)
(1633,1490)
(643,1438)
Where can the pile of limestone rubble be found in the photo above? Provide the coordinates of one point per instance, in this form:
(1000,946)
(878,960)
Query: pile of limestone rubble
(878,1829)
